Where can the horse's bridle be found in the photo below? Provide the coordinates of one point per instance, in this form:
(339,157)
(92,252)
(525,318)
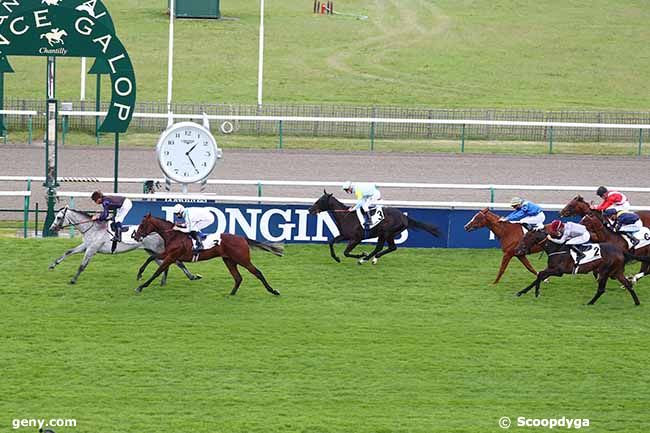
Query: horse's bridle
(76,225)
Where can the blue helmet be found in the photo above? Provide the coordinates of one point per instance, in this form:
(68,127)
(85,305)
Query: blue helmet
(609,212)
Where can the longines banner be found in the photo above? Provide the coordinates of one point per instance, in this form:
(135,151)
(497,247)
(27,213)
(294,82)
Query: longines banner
(72,28)
(294,224)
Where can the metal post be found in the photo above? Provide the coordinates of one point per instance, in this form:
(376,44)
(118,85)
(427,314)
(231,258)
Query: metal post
(550,140)
(372,136)
(36,221)
(26,209)
(462,140)
(491,194)
(98,97)
(72,227)
(117,159)
(51,146)
(259,189)
(29,129)
(64,130)
(280,143)
(640,142)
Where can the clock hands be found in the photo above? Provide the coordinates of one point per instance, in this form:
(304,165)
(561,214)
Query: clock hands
(188,155)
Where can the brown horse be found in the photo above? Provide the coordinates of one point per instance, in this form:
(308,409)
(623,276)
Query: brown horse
(508,234)
(233,249)
(610,265)
(600,233)
(579,207)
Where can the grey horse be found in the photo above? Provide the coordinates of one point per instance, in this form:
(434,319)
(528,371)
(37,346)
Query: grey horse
(97,239)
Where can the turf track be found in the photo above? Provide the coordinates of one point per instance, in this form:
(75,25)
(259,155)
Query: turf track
(419,343)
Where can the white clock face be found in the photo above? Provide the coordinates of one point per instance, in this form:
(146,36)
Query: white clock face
(187,152)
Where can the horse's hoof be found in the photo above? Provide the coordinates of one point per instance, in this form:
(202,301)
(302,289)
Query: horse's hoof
(197,277)
(73,281)
(138,289)
(276,293)
(361,262)
(51,267)
(337,259)
(519,294)
(138,277)
(374,260)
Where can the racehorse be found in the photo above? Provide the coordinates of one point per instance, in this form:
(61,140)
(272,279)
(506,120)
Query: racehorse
(610,265)
(350,228)
(579,207)
(97,239)
(233,249)
(600,233)
(508,234)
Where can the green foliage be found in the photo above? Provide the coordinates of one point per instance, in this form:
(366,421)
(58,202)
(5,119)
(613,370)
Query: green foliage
(549,55)
(419,343)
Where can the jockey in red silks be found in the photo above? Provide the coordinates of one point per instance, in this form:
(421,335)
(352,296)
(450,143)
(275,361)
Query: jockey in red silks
(611,199)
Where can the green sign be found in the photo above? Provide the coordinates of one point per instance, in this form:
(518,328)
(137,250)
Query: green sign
(72,28)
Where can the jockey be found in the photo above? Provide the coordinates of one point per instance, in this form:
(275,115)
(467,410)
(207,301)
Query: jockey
(526,213)
(367,196)
(624,222)
(121,205)
(191,221)
(611,199)
(569,233)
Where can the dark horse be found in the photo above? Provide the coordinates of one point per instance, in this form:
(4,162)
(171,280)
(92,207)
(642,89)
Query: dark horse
(233,249)
(610,265)
(394,223)
(509,234)
(579,207)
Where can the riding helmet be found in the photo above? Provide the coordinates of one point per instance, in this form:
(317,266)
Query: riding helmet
(516,201)
(346,185)
(178,208)
(601,191)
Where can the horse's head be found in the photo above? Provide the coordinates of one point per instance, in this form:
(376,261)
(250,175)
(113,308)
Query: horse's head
(322,204)
(146,227)
(592,223)
(530,240)
(479,220)
(59,219)
(577,206)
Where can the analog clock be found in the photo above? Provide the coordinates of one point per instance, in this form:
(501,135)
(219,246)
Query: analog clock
(187,152)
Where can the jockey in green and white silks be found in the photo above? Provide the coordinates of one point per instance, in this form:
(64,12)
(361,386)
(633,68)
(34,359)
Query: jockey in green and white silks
(191,221)
(367,195)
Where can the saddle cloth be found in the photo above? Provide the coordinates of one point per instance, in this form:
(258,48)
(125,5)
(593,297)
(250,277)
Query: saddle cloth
(591,254)
(127,232)
(643,236)
(209,241)
(376,216)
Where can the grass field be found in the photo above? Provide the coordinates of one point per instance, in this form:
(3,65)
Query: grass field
(420,343)
(552,55)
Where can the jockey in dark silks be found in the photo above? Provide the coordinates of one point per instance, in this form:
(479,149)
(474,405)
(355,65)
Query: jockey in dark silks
(121,206)
(624,222)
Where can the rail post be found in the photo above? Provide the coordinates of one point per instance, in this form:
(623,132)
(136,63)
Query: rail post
(72,227)
(491,194)
(638,152)
(372,136)
(26,209)
(280,130)
(36,221)
(462,140)
(550,140)
(29,129)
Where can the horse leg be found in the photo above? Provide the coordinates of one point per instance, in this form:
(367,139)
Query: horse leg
(331,244)
(602,282)
(526,263)
(187,272)
(163,267)
(645,267)
(84,262)
(628,285)
(380,244)
(151,258)
(78,249)
(351,245)
(507,256)
(391,247)
(232,267)
(258,274)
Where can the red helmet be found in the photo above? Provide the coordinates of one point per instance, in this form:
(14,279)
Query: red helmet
(556,225)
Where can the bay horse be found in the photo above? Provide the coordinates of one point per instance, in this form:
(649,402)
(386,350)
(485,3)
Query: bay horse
(610,265)
(509,234)
(350,228)
(233,249)
(600,233)
(579,207)
(97,239)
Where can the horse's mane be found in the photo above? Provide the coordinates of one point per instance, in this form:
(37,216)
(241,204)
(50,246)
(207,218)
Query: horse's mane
(84,213)
(169,224)
(335,200)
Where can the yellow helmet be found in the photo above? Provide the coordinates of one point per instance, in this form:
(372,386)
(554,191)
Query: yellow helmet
(516,201)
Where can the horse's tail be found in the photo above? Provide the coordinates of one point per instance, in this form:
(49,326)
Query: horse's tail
(418,225)
(271,247)
(630,257)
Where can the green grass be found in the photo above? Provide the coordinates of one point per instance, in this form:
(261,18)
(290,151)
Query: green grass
(549,55)
(420,343)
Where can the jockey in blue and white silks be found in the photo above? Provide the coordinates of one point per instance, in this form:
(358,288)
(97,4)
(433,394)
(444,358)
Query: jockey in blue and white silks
(366,194)
(191,221)
(526,212)
(121,206)
(625,222)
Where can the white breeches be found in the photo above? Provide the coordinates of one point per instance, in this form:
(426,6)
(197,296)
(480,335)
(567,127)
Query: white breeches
(123,211)
(200,219)
(620,207)
(631,228)
(368,202)
(535,220)
(579,239)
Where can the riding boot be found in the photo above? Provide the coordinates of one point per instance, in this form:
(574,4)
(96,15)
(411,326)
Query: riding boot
(632,239)
(118,232)
(579,254)
(366,220)
(199,243)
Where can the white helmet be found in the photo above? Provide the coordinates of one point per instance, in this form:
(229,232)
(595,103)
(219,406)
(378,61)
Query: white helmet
(346,185)
(178,208)
(516,201)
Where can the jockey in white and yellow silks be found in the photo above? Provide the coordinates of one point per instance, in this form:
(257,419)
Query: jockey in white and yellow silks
(366,194)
